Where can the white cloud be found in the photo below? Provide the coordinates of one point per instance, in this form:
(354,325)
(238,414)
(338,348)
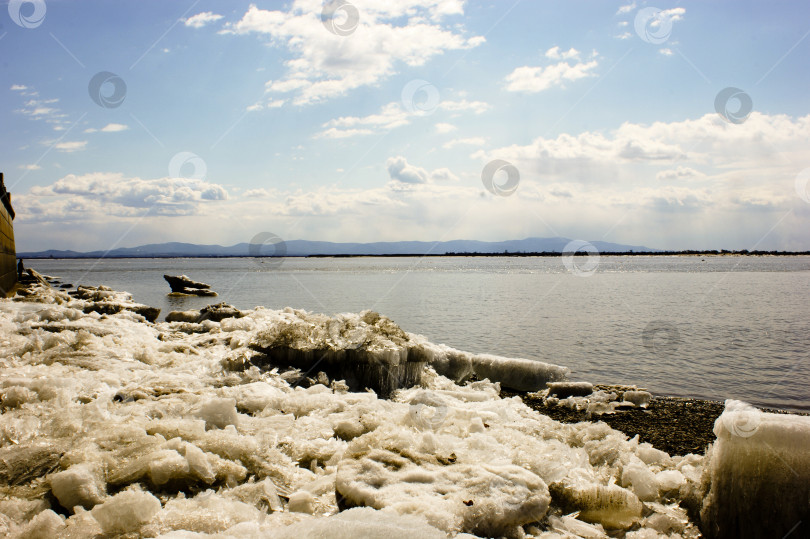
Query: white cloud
(555,53)
(202,19)
(256,193)
(326,65)
(665,51)
(30,167)
(625,35)
(401,171)
(530,79)
(680,173)
(470,141)
(476,107)
(18,87)
(442,128)
(72,146)
(114,128)
(112,194)
(443,175)
(335,133)
(627,8)
(662,184)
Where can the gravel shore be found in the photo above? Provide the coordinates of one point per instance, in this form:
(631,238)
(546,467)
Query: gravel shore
(673,424)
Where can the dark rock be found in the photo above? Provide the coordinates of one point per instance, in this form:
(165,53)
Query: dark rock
(181,284)
(215,313)
(219,312)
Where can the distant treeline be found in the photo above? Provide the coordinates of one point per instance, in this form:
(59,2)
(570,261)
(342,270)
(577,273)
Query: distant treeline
(744,252)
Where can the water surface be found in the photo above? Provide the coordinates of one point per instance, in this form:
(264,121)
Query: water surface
(716,327)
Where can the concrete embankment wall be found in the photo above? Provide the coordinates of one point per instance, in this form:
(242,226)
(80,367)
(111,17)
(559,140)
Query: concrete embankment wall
(8,256)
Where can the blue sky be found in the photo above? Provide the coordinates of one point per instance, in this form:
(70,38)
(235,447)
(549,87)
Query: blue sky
(211,122)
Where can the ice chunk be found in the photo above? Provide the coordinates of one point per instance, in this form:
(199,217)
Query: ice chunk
(218,413)
(637,398)
(301,502)
(45,525)
(78,485)
(641,480)
(563,390)
(570,525)
(386,470)
(516,373)
(362,522)
(126,512)
(758,474)
(611,506)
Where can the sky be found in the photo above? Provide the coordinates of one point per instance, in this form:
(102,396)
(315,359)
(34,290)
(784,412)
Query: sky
(676,125)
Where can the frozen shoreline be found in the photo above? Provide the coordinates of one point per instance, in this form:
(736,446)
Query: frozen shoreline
(112,424)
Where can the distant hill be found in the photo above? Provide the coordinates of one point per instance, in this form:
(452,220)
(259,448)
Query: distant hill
(309,248)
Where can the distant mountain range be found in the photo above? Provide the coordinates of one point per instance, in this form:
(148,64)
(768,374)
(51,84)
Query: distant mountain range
(310,248)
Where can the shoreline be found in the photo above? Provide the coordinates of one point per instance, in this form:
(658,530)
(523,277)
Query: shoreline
(676,425)
(541,254)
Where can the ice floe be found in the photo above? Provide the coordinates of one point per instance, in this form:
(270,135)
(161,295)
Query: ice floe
(114,425)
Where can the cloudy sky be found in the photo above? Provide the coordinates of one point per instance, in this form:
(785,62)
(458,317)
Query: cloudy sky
(673,125)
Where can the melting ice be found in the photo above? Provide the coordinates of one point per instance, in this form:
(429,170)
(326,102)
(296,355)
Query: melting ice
(114,425)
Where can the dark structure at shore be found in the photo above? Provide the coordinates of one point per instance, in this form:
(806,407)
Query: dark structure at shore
(8,255)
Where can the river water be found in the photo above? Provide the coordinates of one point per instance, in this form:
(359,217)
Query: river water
(711,327)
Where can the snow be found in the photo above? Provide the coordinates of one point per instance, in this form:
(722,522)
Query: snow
(114,425)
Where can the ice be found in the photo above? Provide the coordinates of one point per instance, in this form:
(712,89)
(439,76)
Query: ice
(126,512)
(218,413)
(758,475)
(363,522)
(516,373)
(562,390)
(78,485)
(637,398)
(117,426)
